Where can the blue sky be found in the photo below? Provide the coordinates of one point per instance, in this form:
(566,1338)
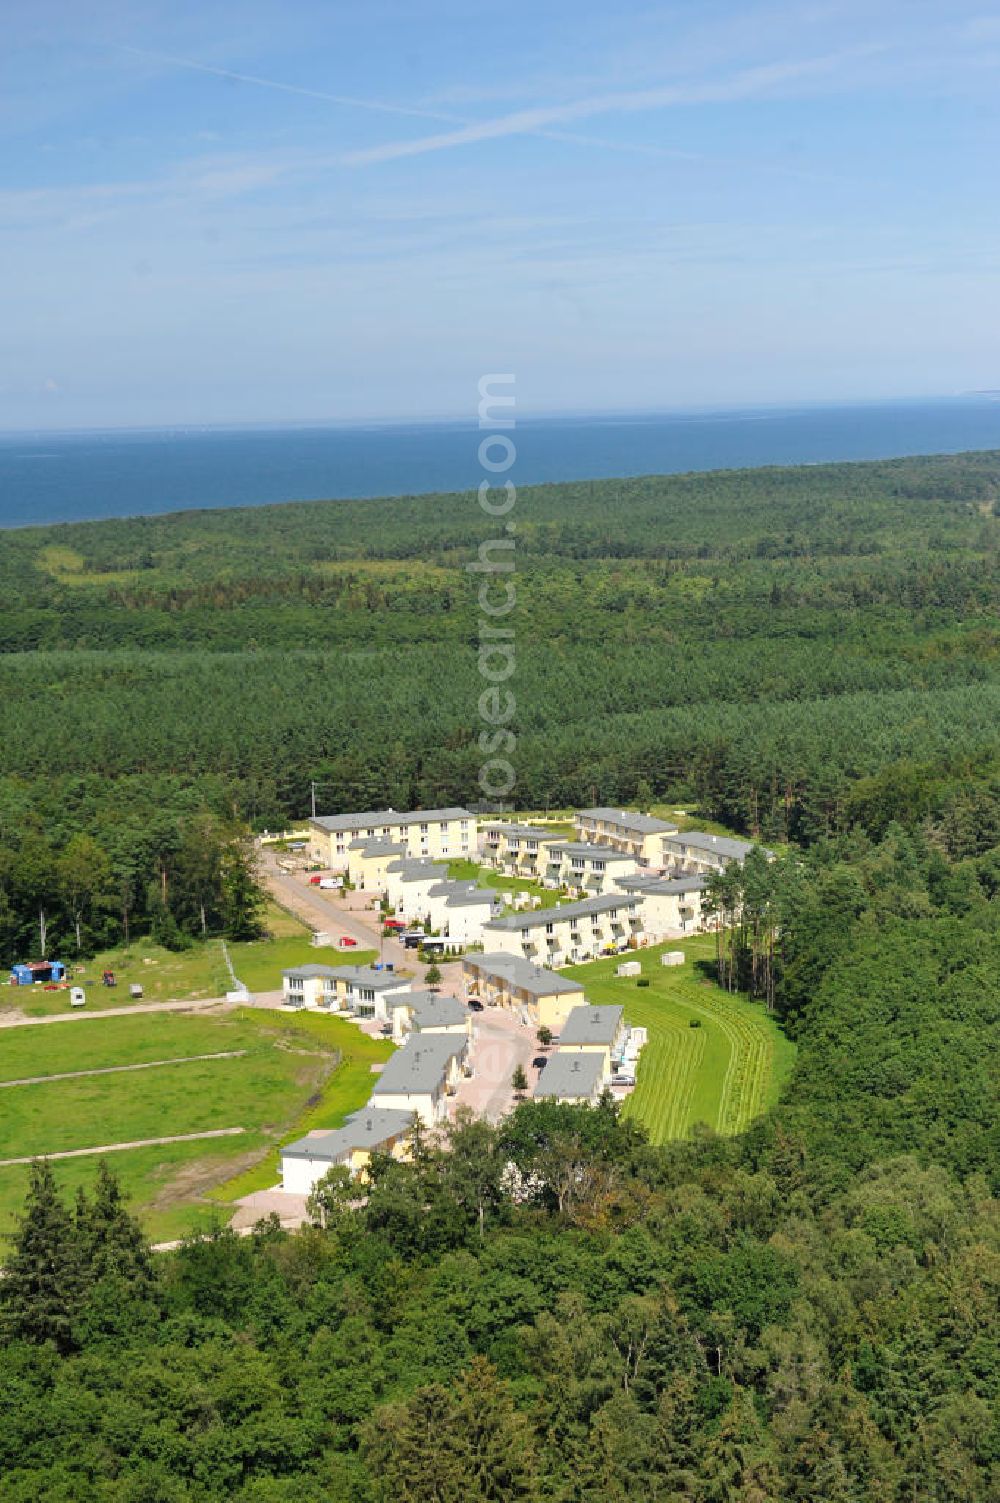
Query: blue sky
(223,212)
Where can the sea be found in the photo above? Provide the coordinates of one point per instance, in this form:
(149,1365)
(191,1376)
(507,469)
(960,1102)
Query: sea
(72,477)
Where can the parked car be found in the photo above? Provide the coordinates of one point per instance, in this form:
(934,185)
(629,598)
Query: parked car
(394,924)
(328,882)
(346,942)
(539,1061)
(475,1005)
(315,881)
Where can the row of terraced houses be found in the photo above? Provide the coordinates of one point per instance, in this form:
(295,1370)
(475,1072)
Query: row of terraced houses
(631,878)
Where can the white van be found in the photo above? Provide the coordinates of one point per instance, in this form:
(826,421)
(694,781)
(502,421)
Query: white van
(77,996)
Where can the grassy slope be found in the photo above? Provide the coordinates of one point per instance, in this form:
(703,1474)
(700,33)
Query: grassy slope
(281,1087)
(723,1073)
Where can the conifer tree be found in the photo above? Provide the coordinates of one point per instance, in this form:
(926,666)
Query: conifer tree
(42,1287)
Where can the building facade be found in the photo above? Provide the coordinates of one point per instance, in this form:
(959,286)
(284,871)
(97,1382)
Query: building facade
(443,833)
(587,870)
(569,932)
(543,998)
(696,852)
(421,1075)
(371,1130)
(627,830)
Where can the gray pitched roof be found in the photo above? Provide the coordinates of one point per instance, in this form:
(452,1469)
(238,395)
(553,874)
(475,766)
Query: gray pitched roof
(368,1128)
(644,883)
(719,845)
(433,1009)
(411,868)
(385,818)
(630,819)
(366,975)
(459,893)
(420,1066)
(533,979)
(591,1025)
(524,832)
(377,845)
(569,1075)
(562,912)
(586,850)
(311,972)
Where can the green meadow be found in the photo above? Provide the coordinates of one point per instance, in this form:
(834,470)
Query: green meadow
(294,1072)
(712,1056)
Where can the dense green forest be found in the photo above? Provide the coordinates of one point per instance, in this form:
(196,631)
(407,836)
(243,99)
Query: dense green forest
(800,651)
(552,1311)
(764,641)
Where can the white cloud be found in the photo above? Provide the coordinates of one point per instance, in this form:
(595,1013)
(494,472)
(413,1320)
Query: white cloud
(750,84)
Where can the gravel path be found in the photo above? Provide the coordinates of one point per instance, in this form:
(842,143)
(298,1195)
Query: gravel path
(80,1153)
(18,1020)
(151,1064)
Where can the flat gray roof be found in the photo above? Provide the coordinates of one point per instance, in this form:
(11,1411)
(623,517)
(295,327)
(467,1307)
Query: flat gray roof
(311,972)
(562,912)
(644,883)
(385,817)
(720,845)
(377,845)
(533,979)
(368,1128)
(591,1025)
(630,819)
(420,1065)
(570,1075)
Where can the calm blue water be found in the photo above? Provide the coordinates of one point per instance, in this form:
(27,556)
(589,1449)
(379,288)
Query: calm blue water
(71,477)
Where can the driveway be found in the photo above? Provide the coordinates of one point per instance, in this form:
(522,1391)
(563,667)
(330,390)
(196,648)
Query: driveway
(325,911)
(500,1043)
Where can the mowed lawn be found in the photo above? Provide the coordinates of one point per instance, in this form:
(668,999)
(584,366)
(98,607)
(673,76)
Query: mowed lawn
(486,876)
(724,1072)
(288,1079)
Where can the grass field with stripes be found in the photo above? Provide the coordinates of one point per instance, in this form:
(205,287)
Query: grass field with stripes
(724,1072)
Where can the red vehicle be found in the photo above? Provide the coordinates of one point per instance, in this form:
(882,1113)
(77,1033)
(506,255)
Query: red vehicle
(346,942)
(315,881)
(394,924)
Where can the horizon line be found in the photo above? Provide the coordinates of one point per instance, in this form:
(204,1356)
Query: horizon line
(567,414)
